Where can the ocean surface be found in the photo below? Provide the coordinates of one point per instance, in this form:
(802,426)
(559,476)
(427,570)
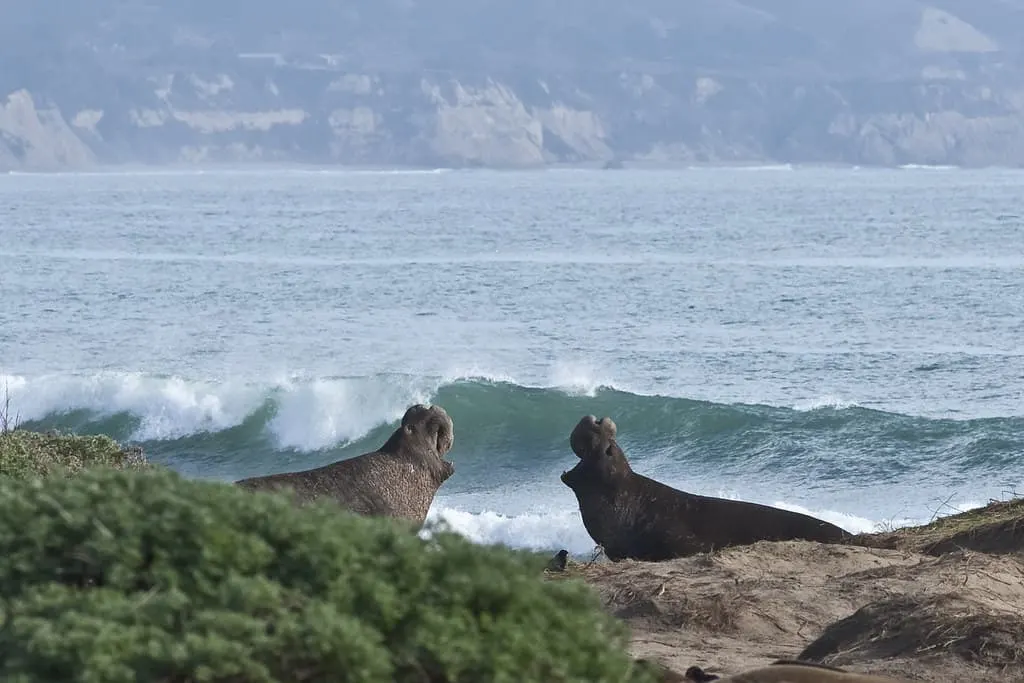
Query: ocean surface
(847,342)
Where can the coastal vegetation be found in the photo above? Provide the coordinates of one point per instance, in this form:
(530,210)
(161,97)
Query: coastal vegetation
(130,572)
(26,453)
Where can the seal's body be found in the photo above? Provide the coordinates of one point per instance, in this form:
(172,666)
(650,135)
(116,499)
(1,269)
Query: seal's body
(804,672)
(397,480)
(633,516)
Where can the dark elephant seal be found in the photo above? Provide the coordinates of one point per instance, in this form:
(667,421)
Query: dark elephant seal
(559,562)
(698,675)
(804,672)
(634,517)
(397,480)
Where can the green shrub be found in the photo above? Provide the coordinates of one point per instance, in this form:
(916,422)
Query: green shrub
(114,576)
(24,453)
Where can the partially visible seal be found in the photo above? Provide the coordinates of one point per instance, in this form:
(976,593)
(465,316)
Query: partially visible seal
(800,662)
(659,672)
(698,675)
(804,672)
(559,561)
(639,518)
(397,480)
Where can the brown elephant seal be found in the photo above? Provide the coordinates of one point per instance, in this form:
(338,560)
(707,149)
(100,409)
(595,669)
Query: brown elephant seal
(804,672)
(397,480)
(634,517)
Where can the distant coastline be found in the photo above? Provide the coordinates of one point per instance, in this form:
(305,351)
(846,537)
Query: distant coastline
(297,167)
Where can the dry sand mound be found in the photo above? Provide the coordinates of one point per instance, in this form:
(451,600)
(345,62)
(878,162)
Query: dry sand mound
(997,529)
(897,612)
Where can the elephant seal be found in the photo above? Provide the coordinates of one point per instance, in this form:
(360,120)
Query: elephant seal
(634,517)
(698,675)
(804,672)
(559,561)
(397,480)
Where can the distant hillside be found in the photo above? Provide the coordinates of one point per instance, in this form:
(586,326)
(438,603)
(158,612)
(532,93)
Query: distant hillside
(482,82)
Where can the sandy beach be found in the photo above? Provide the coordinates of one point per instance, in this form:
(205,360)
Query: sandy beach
(938,603)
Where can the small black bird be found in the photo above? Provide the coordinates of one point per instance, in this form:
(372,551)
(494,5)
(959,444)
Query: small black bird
(557,563)
(697,675)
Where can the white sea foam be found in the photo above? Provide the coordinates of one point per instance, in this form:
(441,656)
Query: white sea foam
(323,413)
(763,167)
(168,407)
(309,414)
(544,529)
(926,167)
(821,402)
(852,523)
(577,378)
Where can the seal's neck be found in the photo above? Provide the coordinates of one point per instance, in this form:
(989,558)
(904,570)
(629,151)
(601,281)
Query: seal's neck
(439,468)
(394,442)
(584,480)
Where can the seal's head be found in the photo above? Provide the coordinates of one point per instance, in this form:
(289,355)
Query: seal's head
(601,459)
(426,435)
(431,426)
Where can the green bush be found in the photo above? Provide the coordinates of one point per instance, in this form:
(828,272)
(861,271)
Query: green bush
(114,576)
(24,453)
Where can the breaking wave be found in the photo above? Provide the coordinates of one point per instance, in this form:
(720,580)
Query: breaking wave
(511,441)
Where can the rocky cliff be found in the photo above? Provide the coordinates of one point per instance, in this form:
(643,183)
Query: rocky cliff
(489,83)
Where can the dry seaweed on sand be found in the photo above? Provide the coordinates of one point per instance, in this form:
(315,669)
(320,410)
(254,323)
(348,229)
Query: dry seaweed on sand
(646,598)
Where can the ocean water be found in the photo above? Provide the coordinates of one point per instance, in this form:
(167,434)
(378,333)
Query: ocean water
(846,342)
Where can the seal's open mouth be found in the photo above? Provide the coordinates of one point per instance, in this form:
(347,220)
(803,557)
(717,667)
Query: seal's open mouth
(569,477)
